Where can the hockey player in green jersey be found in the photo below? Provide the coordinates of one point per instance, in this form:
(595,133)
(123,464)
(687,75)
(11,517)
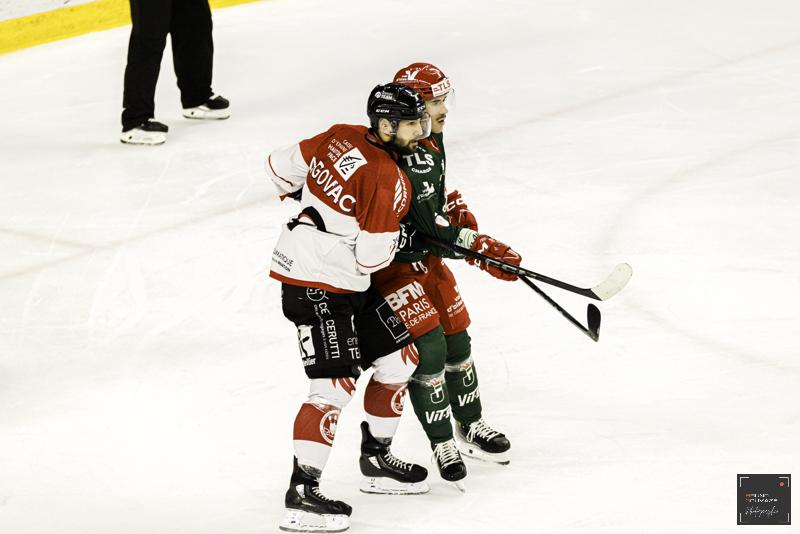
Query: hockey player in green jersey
(423,293)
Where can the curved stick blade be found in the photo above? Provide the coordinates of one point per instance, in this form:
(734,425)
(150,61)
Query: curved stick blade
(615,282)
(593,318)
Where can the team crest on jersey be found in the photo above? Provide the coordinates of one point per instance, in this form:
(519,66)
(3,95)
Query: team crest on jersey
(427,192)
(349,163)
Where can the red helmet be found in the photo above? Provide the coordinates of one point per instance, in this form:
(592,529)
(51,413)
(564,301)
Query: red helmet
(427,79)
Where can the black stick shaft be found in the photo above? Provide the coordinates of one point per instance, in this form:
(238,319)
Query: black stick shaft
(520,271)
(593,334)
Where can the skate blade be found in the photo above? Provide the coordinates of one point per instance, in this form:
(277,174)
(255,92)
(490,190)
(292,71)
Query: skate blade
(142,139)
(389,486)
(207,114)
(459,485)
(300,521)
(470,450)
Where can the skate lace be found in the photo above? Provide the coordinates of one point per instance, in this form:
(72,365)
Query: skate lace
(446,453)
(480,429)
(394,461)
(316,491)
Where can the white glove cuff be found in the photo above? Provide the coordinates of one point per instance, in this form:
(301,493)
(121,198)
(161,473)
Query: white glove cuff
(466,238)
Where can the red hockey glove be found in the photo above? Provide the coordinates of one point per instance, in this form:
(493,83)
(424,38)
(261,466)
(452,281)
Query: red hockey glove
(458,212)
(497,250)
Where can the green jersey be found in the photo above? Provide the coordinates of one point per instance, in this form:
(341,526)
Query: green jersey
(425,169)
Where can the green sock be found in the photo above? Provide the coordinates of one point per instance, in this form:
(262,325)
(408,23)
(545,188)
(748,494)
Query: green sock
(462,379)
(427,388)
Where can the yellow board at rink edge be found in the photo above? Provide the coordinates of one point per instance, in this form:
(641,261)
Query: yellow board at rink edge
(66,22)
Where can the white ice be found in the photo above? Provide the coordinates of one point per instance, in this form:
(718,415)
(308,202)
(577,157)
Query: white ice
(148,380)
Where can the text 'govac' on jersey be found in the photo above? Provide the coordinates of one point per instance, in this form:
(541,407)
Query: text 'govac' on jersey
(353,198)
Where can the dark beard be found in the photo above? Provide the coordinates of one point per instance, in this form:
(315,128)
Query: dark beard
(404,150)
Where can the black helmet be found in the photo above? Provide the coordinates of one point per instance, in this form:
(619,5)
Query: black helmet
(396,102)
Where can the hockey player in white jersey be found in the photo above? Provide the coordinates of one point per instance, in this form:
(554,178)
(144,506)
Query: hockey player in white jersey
(352,196)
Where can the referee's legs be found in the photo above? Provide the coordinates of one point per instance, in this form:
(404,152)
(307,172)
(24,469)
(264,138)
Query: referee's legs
(146,46)
(192,50)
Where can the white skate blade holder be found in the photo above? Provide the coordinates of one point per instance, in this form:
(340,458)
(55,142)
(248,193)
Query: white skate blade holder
(137,136)
(389,486)
(300,521)
(471,450)
(205,113)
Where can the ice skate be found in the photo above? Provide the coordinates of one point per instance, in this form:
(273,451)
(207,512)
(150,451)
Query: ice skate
(149,132)
(385,473)
(478,440)
(308,510)
(451,466)
(215,108)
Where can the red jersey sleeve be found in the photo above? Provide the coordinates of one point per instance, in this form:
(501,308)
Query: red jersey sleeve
(382,203)
(383,200)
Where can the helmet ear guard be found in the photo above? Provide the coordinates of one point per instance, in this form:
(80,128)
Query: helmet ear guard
(425,122)
(393,124)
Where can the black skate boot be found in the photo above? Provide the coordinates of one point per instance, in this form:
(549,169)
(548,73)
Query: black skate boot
(308,510)
(384,473)
(451,466)
(479,440)
(215,108)
(149,132)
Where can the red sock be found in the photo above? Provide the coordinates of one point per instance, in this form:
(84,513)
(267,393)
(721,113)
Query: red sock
(384,406)
(314,430)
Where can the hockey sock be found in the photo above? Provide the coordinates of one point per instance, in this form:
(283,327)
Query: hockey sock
(314,430)
(428,390)
(383,404)
(386,391)
(461,379)
(316,421)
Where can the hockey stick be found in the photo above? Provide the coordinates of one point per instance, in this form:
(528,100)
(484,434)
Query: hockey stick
(592,313)
(606,289)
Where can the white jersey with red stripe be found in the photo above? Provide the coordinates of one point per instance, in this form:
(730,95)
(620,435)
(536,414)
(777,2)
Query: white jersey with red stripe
(353,198)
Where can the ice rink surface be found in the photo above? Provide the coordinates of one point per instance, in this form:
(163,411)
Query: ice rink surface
(148,380)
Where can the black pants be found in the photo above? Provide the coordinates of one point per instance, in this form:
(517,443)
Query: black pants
(189,24)
(340,334)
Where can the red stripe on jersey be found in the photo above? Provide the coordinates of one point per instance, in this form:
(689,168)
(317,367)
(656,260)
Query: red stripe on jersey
(269,162)
(379,263)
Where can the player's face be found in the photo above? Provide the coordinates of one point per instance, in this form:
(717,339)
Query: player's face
(437,109)
(408,135)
